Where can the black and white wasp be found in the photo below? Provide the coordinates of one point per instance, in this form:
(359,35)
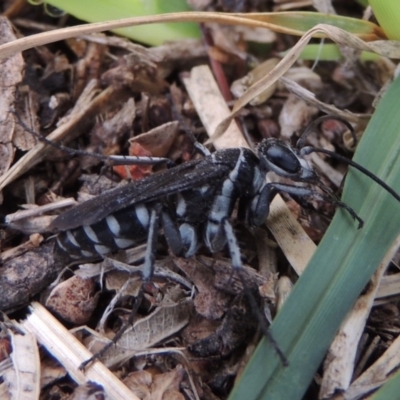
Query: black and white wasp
(193,204)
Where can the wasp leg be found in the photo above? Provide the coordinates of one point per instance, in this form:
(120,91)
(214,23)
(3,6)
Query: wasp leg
(171,233)
(201,148)
(260,206)
(234,251)
(147,273)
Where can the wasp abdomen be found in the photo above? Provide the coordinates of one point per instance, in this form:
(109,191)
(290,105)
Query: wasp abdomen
(120,230)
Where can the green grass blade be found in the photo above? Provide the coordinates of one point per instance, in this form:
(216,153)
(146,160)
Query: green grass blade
(302,21)
(387,12)
(106,10)
(339,270)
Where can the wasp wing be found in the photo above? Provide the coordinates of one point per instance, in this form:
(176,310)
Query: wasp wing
(183,177)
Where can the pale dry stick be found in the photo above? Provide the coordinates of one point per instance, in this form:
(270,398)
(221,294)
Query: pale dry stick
(212,108)
(39,210)
(34,225)
(389,286)
(251,20)
(71,353)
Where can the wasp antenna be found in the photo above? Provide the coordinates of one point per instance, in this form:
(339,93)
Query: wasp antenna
(111,160)
(380,182)
(189,133)
(312,127)
(56,145)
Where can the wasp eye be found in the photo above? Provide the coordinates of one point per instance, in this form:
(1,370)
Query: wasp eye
(283,158)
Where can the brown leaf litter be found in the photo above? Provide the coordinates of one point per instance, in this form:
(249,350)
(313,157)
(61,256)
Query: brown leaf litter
(195,329)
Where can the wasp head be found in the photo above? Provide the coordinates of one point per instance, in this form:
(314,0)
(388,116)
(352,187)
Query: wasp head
(276,155)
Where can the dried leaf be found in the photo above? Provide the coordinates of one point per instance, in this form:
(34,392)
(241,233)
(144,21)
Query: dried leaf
(159,140)
(115,280)
(163,386)
(295,114)
(147,332)
(23,377)
(139,382)
(166,386)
